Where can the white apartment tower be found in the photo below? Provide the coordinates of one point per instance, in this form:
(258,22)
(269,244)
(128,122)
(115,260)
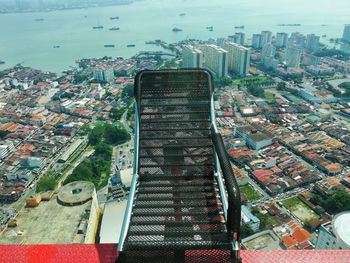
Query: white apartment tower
(293,56)
(256,41)
(238,58)
(192,57)
(281,39)
(312,43)
(216,60)
(346,34)
(266,37)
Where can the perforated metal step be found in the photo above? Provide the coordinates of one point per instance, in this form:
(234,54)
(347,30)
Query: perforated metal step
(177,203)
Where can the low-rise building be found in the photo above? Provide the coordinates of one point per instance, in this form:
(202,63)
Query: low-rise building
(249,219)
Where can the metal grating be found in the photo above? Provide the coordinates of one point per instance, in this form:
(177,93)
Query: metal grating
(177,203)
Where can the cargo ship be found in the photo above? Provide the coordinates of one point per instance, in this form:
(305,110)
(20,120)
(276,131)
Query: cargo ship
(114,28)
(239,27)
(114,18)
(131,45)
(109,45)
(97,27)
(176,29)
(289,24)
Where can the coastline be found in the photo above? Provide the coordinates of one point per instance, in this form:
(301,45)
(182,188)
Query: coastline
(126,2)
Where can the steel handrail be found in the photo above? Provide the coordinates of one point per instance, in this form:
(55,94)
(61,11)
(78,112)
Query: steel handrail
(135,179)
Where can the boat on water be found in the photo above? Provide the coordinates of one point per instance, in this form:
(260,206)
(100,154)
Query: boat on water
(109,45)
(176,29)
(114,28)
(289,24)
(2,62)
(239,27)
(182,14)
(39,19)
(56,46)
(97,27)
(131,45)
(114,18)
(210,28)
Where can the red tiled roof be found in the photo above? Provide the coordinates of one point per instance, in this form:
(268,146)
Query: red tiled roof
(258,173)
(301,235)
(288,241)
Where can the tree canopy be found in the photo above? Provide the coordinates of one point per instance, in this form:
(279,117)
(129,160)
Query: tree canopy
(337,202)
(256,91)
(46,183)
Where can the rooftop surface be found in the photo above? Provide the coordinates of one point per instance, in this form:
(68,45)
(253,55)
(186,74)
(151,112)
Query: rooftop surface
(76,192)
(112,221)
(265,240)
(341,227)
(48,223)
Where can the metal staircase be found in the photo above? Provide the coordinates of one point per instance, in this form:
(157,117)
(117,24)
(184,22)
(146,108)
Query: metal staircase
(184,203)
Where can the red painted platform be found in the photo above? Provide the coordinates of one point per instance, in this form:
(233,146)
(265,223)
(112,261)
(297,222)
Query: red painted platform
(107,253)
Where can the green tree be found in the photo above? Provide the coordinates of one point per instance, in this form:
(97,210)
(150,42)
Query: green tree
(128,91)
(115,133)
(3,134)
(338,201)
(281,86)
(116,113)
(256,91)
(103,149)
(96,134)
(81,77)
(46,183)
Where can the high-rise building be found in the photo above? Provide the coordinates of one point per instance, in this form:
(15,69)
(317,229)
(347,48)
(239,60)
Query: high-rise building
(281,39)
(297,39)
(268,56)
(192,57)
(293,56)
(266,37)
(216,60)
(256,41)
(221,41)
(312,43)
(102,73)
(346,34)
(335,234)
(268,50)
(240,38)
(238,58)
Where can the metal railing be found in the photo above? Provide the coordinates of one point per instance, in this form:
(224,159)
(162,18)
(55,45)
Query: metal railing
(227,185)
(135,179)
